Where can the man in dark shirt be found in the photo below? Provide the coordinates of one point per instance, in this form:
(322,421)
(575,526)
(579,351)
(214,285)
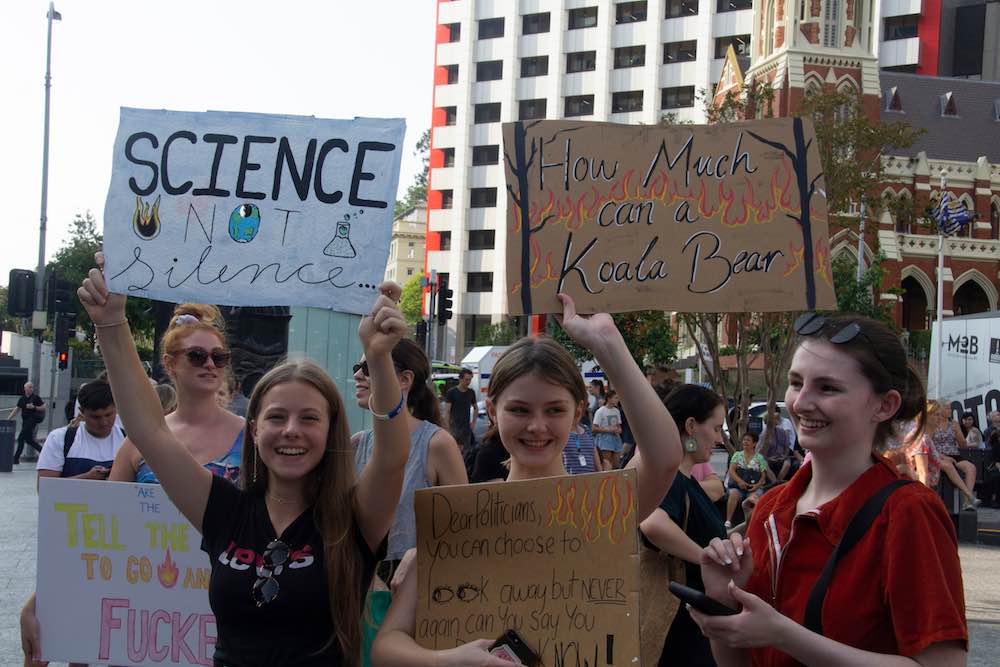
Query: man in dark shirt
(32,409)
(460,409)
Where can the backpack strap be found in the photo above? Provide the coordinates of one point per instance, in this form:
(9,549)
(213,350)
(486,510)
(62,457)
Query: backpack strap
(68,439)
(856,529)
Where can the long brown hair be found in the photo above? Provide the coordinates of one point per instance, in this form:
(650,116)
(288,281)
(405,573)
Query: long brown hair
(330,488)
(423,404)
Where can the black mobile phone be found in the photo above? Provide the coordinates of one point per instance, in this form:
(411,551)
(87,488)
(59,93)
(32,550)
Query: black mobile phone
(511,647)
(700,601)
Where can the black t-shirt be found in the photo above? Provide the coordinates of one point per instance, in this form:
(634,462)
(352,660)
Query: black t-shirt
(489,462)
(462,405)
(30,416)
(703,520)
(294,627)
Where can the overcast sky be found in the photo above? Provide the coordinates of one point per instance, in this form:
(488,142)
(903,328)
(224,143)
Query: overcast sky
(325,58)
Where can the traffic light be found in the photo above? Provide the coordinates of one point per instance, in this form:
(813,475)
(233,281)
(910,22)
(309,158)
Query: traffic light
(63,360)
(21,293)
(60,295)
(422,333)
(444,302)
(64,329)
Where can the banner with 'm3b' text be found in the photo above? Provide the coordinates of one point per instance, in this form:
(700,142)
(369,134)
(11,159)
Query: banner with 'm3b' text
(121,577)
(247,209)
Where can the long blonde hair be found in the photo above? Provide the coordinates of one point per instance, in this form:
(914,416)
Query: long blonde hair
(330,487)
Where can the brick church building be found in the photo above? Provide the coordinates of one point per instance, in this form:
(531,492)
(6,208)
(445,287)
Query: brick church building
(800,46)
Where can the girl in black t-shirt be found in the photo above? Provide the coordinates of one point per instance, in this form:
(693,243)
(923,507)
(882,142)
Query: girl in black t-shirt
(293,551)
(536,397)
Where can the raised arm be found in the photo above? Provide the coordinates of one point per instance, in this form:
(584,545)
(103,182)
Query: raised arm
(186,482)
(382,479)
(656,436)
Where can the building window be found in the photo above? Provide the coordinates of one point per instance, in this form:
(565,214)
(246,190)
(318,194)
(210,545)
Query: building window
(452,71)
(449,156)
(409,272)
(584,17)
(901,27)
(741,44)
(489,70)
(678,8)
(484,155)
(410,250)
(479,281)
(483,198)
(630,12)
(474,326)
(445,238)
(488,113)
(626,101)
(579,105)
(450,115)
(831,23)
(733,5)
(481,239)
(454,31)
(531,109)
(680,52)
(535,66)
(491,28)
(678,97)
(581,61)
(447,198)
(630,56)
(532,24)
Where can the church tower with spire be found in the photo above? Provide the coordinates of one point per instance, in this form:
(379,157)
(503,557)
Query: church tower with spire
(802,45)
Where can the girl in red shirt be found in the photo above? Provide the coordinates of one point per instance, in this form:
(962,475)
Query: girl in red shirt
(848,380)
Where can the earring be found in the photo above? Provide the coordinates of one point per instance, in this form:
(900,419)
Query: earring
(690,444)
(253,464)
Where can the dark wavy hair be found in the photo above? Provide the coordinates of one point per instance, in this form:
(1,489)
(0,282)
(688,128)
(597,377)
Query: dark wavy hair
(691,400)
(423,404)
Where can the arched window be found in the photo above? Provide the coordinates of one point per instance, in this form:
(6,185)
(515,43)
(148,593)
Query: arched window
(995,218)
(768,46)
(831,23)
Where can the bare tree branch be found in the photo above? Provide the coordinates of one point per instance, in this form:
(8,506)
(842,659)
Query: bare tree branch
(774,144)
(510,165)
(541,225)
(517,200)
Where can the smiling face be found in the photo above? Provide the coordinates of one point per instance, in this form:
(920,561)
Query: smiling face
(291,429)
(831,402)
(534,418)
(189,377)
(968,421)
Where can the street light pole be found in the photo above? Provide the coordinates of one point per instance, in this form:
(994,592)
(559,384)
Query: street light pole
(38,321)
(938,357)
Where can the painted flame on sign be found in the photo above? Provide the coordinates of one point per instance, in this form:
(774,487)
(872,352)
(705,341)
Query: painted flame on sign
(167,572)
(146,219)
(595,512)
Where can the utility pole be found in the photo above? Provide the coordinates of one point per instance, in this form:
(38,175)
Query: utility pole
(861,242)
(431,316)
(38,318)
(938,390)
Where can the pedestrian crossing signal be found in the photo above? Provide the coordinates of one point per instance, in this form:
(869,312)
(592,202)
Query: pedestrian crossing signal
(63,360)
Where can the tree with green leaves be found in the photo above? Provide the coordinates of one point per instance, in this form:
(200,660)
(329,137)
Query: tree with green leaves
(862,296)
(72,262)
(416,193)
(647,333)
(501,333)
(411,300)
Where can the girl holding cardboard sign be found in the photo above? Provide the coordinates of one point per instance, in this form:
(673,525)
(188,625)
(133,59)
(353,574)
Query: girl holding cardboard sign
(832,577)
(292,552)
(536,396)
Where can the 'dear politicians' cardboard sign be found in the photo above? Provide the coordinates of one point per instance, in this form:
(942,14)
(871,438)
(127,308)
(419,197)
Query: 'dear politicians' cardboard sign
(251,209)
(122,579)
(691,218)
(554,559)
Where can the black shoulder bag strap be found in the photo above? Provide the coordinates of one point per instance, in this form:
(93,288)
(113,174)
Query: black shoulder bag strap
(856,529)
(68,439)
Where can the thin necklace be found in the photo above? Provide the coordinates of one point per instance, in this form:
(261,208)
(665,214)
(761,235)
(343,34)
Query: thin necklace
(283,501)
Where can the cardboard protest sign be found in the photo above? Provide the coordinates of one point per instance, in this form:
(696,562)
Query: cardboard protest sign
(554,559)
(251,209)
(720,218)
(121,577)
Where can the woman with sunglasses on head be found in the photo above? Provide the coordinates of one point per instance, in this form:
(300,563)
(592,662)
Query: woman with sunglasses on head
(878,601)
(536,396)
(435,459)
(293,551)
(195,357)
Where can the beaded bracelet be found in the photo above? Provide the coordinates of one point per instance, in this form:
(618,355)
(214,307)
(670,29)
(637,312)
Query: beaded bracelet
(395,411)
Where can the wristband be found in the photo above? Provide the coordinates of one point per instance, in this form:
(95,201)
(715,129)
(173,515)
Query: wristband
(393,413)
(110,324)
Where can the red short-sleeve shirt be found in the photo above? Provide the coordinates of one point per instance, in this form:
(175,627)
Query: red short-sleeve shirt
(899,589)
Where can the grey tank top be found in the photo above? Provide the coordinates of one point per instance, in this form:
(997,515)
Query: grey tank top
(403,533)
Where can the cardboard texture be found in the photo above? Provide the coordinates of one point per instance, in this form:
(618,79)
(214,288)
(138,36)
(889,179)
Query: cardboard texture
(693,218)
(555,559)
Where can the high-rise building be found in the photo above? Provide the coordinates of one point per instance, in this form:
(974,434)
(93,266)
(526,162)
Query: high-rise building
(499,61)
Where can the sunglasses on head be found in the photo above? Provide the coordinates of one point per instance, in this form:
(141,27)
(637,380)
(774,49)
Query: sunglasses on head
(265,588)
(199,356)
(810,324)
(363,367)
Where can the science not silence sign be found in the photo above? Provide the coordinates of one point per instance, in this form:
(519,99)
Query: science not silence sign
(251,209)
(691,218)
(556,560)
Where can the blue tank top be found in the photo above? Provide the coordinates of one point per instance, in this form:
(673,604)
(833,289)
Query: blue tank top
(226,466)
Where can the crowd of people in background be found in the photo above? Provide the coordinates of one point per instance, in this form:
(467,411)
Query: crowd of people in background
(288,484)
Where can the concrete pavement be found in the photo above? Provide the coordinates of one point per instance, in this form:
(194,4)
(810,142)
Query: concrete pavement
(18,518)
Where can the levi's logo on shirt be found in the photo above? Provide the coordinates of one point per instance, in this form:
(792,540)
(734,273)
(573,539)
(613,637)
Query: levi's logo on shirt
(240,558)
